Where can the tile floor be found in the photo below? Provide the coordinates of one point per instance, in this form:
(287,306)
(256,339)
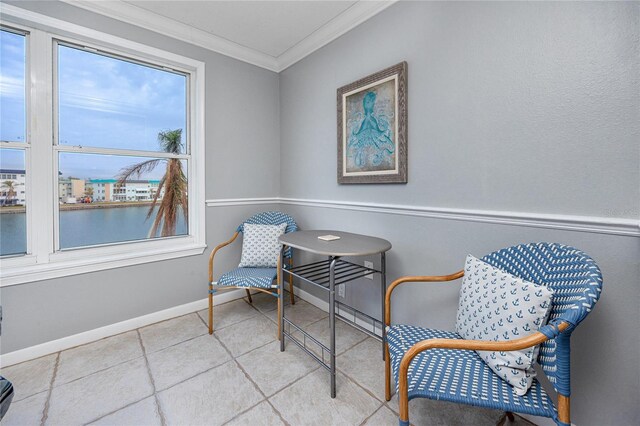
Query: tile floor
(174,373)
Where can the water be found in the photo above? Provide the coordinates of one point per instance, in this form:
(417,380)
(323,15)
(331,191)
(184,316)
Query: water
(79,228)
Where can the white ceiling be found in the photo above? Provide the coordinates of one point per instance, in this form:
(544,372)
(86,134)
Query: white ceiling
(270,34)
(270,27)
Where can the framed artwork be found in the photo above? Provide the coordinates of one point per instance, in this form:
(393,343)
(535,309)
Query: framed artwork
(372,128)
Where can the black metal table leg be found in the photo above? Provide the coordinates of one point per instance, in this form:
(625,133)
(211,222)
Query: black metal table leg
(332,322)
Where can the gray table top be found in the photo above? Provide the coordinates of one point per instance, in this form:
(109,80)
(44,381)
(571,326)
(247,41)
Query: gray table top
(348,245)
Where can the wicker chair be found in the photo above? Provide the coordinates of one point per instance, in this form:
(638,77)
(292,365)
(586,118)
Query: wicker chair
(441,365)
(260,279)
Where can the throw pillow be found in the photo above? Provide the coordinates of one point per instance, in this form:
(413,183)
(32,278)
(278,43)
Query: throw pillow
(497,306)
(260,245)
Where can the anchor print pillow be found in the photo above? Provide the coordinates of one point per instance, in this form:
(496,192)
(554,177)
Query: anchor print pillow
(498,306)
(260,245)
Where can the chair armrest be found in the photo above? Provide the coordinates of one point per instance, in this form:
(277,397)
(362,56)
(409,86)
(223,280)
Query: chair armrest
(215,250)
(473,345)
(413,279)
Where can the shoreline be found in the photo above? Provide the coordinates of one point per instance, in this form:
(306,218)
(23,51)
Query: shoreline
(80,206)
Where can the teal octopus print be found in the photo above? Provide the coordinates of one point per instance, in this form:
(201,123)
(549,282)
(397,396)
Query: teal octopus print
(370,130)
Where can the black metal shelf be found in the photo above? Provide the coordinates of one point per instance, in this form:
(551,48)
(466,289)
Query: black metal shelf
(318,273)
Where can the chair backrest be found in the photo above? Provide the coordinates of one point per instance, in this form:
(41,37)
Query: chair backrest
(576,282)
(272,218)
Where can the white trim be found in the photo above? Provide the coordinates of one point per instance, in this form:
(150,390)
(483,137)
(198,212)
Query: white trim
(341,24)
(42,263)
(139,17)
(592,224)
(25,17)
(68,342)
(44,271)
(225,202)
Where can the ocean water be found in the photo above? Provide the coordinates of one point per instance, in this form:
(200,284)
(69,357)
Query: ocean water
(80,228)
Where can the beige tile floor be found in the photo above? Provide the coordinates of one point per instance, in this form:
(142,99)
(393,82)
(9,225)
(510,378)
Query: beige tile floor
(174,373)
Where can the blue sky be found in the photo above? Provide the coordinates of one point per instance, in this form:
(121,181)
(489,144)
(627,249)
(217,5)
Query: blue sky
(103,102)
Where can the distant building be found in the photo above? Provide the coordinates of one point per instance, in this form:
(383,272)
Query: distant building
(15,179)
(107,190)
(102,189)
(77,188)
(136,190)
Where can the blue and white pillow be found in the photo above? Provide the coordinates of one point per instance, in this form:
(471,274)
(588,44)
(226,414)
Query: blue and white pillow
(497,306)
(260,245)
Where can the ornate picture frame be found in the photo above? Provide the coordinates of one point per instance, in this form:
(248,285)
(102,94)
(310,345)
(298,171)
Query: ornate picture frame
(372,128)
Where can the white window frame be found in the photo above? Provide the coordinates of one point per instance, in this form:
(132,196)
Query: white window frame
(42,260)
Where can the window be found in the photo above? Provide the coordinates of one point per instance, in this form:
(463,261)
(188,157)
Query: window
(119,126)
(145,109)
(14,151)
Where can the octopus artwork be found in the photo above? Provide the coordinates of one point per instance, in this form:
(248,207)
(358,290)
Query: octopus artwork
(370,132)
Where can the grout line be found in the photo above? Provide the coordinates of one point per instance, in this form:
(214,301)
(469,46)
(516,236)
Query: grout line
(116,410)
(371,415)
(153,383)
(255,385)
(175,344)
(278,413)
(97,371)
(45,411)
(296,380)
(251,380)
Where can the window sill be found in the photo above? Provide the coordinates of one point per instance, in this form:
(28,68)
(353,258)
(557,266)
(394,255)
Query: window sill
(27,269)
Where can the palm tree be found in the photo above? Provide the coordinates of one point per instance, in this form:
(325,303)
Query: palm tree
(88,192)
(10,191)
(174,184)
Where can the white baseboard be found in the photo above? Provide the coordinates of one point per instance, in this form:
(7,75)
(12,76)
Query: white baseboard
(85,337)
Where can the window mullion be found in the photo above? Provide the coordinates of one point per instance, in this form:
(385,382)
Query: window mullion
(41,177)
(124,152)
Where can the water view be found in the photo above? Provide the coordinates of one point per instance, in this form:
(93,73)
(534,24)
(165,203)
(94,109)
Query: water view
(85,227)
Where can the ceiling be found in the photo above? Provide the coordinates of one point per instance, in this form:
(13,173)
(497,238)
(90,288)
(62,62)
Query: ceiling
(270,34)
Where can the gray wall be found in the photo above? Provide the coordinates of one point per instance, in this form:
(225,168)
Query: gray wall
(524,107)
(512,106)
(242,160)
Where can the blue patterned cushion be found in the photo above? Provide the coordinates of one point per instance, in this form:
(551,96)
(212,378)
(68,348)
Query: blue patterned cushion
(260,245)
(459,376)
(249,277)
(498,306)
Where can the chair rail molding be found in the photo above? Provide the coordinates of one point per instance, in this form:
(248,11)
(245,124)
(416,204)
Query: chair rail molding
(591,224)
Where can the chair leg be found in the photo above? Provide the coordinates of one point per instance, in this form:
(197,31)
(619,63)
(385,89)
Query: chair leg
(279,312)
(510,416)
(210,309)
(564,409)
(387,373)
(293,301)
(403,401)
(249,295)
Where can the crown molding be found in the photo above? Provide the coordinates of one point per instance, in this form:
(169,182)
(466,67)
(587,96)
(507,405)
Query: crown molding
(139,17)
(344,22)
(341,24)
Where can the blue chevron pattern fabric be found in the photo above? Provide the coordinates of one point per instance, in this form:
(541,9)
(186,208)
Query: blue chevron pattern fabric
(260,245)
(272,218)
(459,376)
(258,277)
(249,277)
(576,282)
(498,306)
(462,376)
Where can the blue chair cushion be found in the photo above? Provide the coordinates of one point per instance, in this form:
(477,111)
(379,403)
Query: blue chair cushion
(459,376)
(249,277)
